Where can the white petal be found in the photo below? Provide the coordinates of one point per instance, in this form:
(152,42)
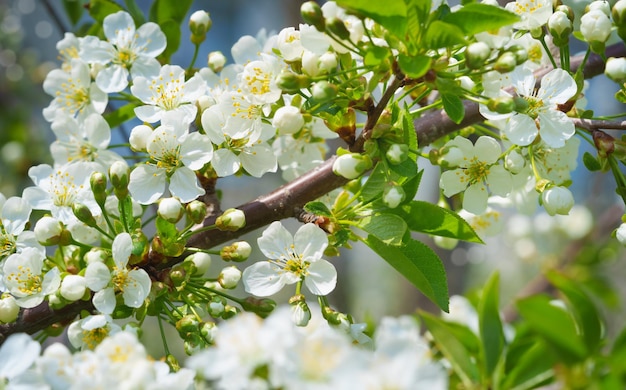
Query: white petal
(122,248)
(97,276)
(184,185)
(321,278)
(149,114)
(262,279)
(150,39)
(557,87)
(136,291)
(521,130)
(276,241)
(119,28)
(104,301)
(15,214)
(258,160)
(196,150)
(147,183)
(225,162)
(475,198)
(17,354)
(145,67)
(453,182)
(487,149)
(98,131)
(310,242)
(113,78)
(556,128)
(499,180)
(51,281)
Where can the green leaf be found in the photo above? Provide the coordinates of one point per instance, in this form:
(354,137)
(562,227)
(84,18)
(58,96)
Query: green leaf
(164,10)
(375,184)
(419,264)
(74,10)
(453,105)
(452,349)
(318,208)
(425,217)
(414,66)
(388,228)
(591,162)
(533,366)
(125,207)
(490,324)
(473,18)
(375,55)
(585,311)
(166,230)
(171,29)
(408,126)
(121,115)
(135,12)
(441,34)
(407,168)
(100,9)
(555,325)
(390,14)
(410,186)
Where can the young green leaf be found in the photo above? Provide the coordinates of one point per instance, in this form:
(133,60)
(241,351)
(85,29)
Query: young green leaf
(390,14)
(100,9)
(419,264)
(473,18)
(121,115)
(452,349)
(490,324)
(453,105)
(441,34)
(74,10)
(414,66)
(375,183)
(318,208)
(429,218)
(532,368)
(388,228)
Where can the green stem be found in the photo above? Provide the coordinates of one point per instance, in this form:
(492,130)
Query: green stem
(163,338)
(193,59)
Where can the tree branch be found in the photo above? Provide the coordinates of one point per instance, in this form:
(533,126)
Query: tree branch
(287,200)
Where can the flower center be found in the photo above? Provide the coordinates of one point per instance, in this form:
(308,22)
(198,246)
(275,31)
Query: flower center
(258,81)
(476,172)
(74,98)
(7,245)
(125,58)
(93,337)
(167,94)
(62,189)
(27,282)
(535,105)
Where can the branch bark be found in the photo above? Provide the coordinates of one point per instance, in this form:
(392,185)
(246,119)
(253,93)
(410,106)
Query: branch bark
(287,200)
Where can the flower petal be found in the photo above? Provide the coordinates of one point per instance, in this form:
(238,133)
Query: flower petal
(122,248)
(262,279)
(147,183)
(556,128)
(321,278)
(104,301)
(276,241)
(521,129)
(184,185)
(310,242)
(453,182)
(97,276)
(475,198)
(137,288)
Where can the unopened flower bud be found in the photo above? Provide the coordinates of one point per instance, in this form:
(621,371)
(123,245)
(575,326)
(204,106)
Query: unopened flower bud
(620,234)
(312,14)
(501,104)
(178,275)
(202,262)
(288,120)
(514,162)
(290,82)
(208,331)
(187,325)
(557,200)
(600,5)
(300,312)
(595,27)
(447,243)
(95,255)
(216,307)
(560,27)
(506,62)
(138,138)
(119,173)
(615,69)
(337,27)
(323,91)
(170,209)
(238,251)
(73,287)
(327,62)
(196,211)
(232,220)
(83,214)
(520,53)
(229,277)
(397,153)
(216,61)
(393,195)
(9,309)
(50,231)
(352,165)
(98,184)
(199,24)
(567,10)
(619,13)
(261,306)
(476,54)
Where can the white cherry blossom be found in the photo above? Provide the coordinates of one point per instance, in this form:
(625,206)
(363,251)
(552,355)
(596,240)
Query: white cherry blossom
(15,213)
(127,50)
(542,116)
(476,170)
(533,13)
(291,259)
(174,155)
(134,285)
(168,92)
(25,279)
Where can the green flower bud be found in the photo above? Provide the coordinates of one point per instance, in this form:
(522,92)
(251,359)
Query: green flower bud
(229,312)
(501,105)
(300,312)
(312,14)
(445,242)
(291,83)
(261,306)
(238,251)
(615,69)
(83,214)
(98,184)
(393,196)
(560,27)
(397,153)
(50,231)
(323,91)
(619,13)
(352,165)
(337,27)
(196,211)
(178,275)
(520,52)
(506,62)
(566,10)
(208,331)
(187,325)
(231,220)
(476,54)
(119,173)
(557,200)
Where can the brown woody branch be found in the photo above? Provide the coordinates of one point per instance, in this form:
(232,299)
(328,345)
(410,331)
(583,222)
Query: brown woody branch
(287,200)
